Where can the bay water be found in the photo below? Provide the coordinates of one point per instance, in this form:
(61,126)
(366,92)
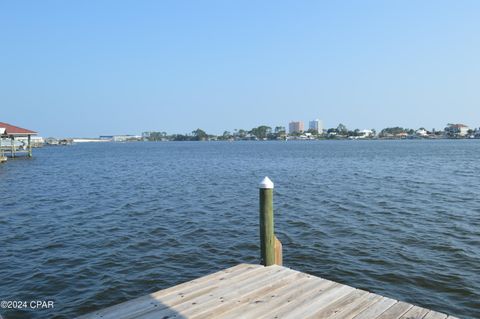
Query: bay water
(91,225)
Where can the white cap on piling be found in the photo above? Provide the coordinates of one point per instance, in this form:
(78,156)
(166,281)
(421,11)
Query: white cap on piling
(266,183)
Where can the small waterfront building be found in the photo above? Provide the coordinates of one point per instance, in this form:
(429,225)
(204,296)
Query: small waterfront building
(421,132)
(126,138)
(366,133)
(120,138)
(295,127)
(456,130)
(306,136)
(15,140)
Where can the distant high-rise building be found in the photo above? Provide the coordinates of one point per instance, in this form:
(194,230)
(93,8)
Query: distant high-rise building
(316,125)
(295,127)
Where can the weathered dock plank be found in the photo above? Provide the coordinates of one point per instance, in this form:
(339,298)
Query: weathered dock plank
(376,309)
(415,313)
(254,291)
(356,306)
(339,305)
(223,292)
(435,315)
(395,311)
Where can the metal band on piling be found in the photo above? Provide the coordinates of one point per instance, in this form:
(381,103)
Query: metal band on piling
(267,237)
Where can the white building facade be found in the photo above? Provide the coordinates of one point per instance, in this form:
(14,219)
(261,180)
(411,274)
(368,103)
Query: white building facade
(316,126)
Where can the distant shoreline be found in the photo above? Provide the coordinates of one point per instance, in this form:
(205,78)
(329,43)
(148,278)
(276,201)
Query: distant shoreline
(82,141)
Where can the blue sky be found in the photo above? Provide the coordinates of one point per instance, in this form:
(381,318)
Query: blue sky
(85,68)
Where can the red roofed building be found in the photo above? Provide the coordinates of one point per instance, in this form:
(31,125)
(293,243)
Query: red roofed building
(12,130)
(8,131)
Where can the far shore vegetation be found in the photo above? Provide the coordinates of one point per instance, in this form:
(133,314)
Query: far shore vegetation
(264,132)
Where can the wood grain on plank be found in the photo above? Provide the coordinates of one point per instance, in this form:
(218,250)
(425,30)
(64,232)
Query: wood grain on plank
(319,301)
(340,304)
(298,299)
(234,302)
(216,298)
(395,311)
(256,292)
(265,305)
(237,285)
(435,315)
(376,309)
(415,313)
(357,306)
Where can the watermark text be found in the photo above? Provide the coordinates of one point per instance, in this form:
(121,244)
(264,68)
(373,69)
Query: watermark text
(27,304)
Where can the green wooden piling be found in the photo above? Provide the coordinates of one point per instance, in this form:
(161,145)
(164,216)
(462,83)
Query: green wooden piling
(267,237)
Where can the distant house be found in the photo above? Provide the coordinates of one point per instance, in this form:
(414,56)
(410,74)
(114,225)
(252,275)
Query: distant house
(387,135)
(366,133)
(456,130)
(307,136)
(421,132)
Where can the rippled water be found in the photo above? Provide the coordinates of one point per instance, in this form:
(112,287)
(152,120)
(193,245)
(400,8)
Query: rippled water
(92,225)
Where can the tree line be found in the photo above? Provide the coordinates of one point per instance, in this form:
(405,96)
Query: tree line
(264,132)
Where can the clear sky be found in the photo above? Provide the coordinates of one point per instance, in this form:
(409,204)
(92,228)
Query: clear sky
(85,68)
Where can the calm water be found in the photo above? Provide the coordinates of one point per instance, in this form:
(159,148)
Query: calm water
(92,225)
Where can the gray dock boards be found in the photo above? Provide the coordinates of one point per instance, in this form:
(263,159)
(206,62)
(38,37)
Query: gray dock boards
(254,291)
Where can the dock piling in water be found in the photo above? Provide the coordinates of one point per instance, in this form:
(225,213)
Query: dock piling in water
(13,146)
(29,145)
(270,246)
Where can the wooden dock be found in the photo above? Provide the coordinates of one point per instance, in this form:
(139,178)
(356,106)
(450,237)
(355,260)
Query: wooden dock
(255,291)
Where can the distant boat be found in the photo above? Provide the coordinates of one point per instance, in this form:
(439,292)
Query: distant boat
(8,144)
